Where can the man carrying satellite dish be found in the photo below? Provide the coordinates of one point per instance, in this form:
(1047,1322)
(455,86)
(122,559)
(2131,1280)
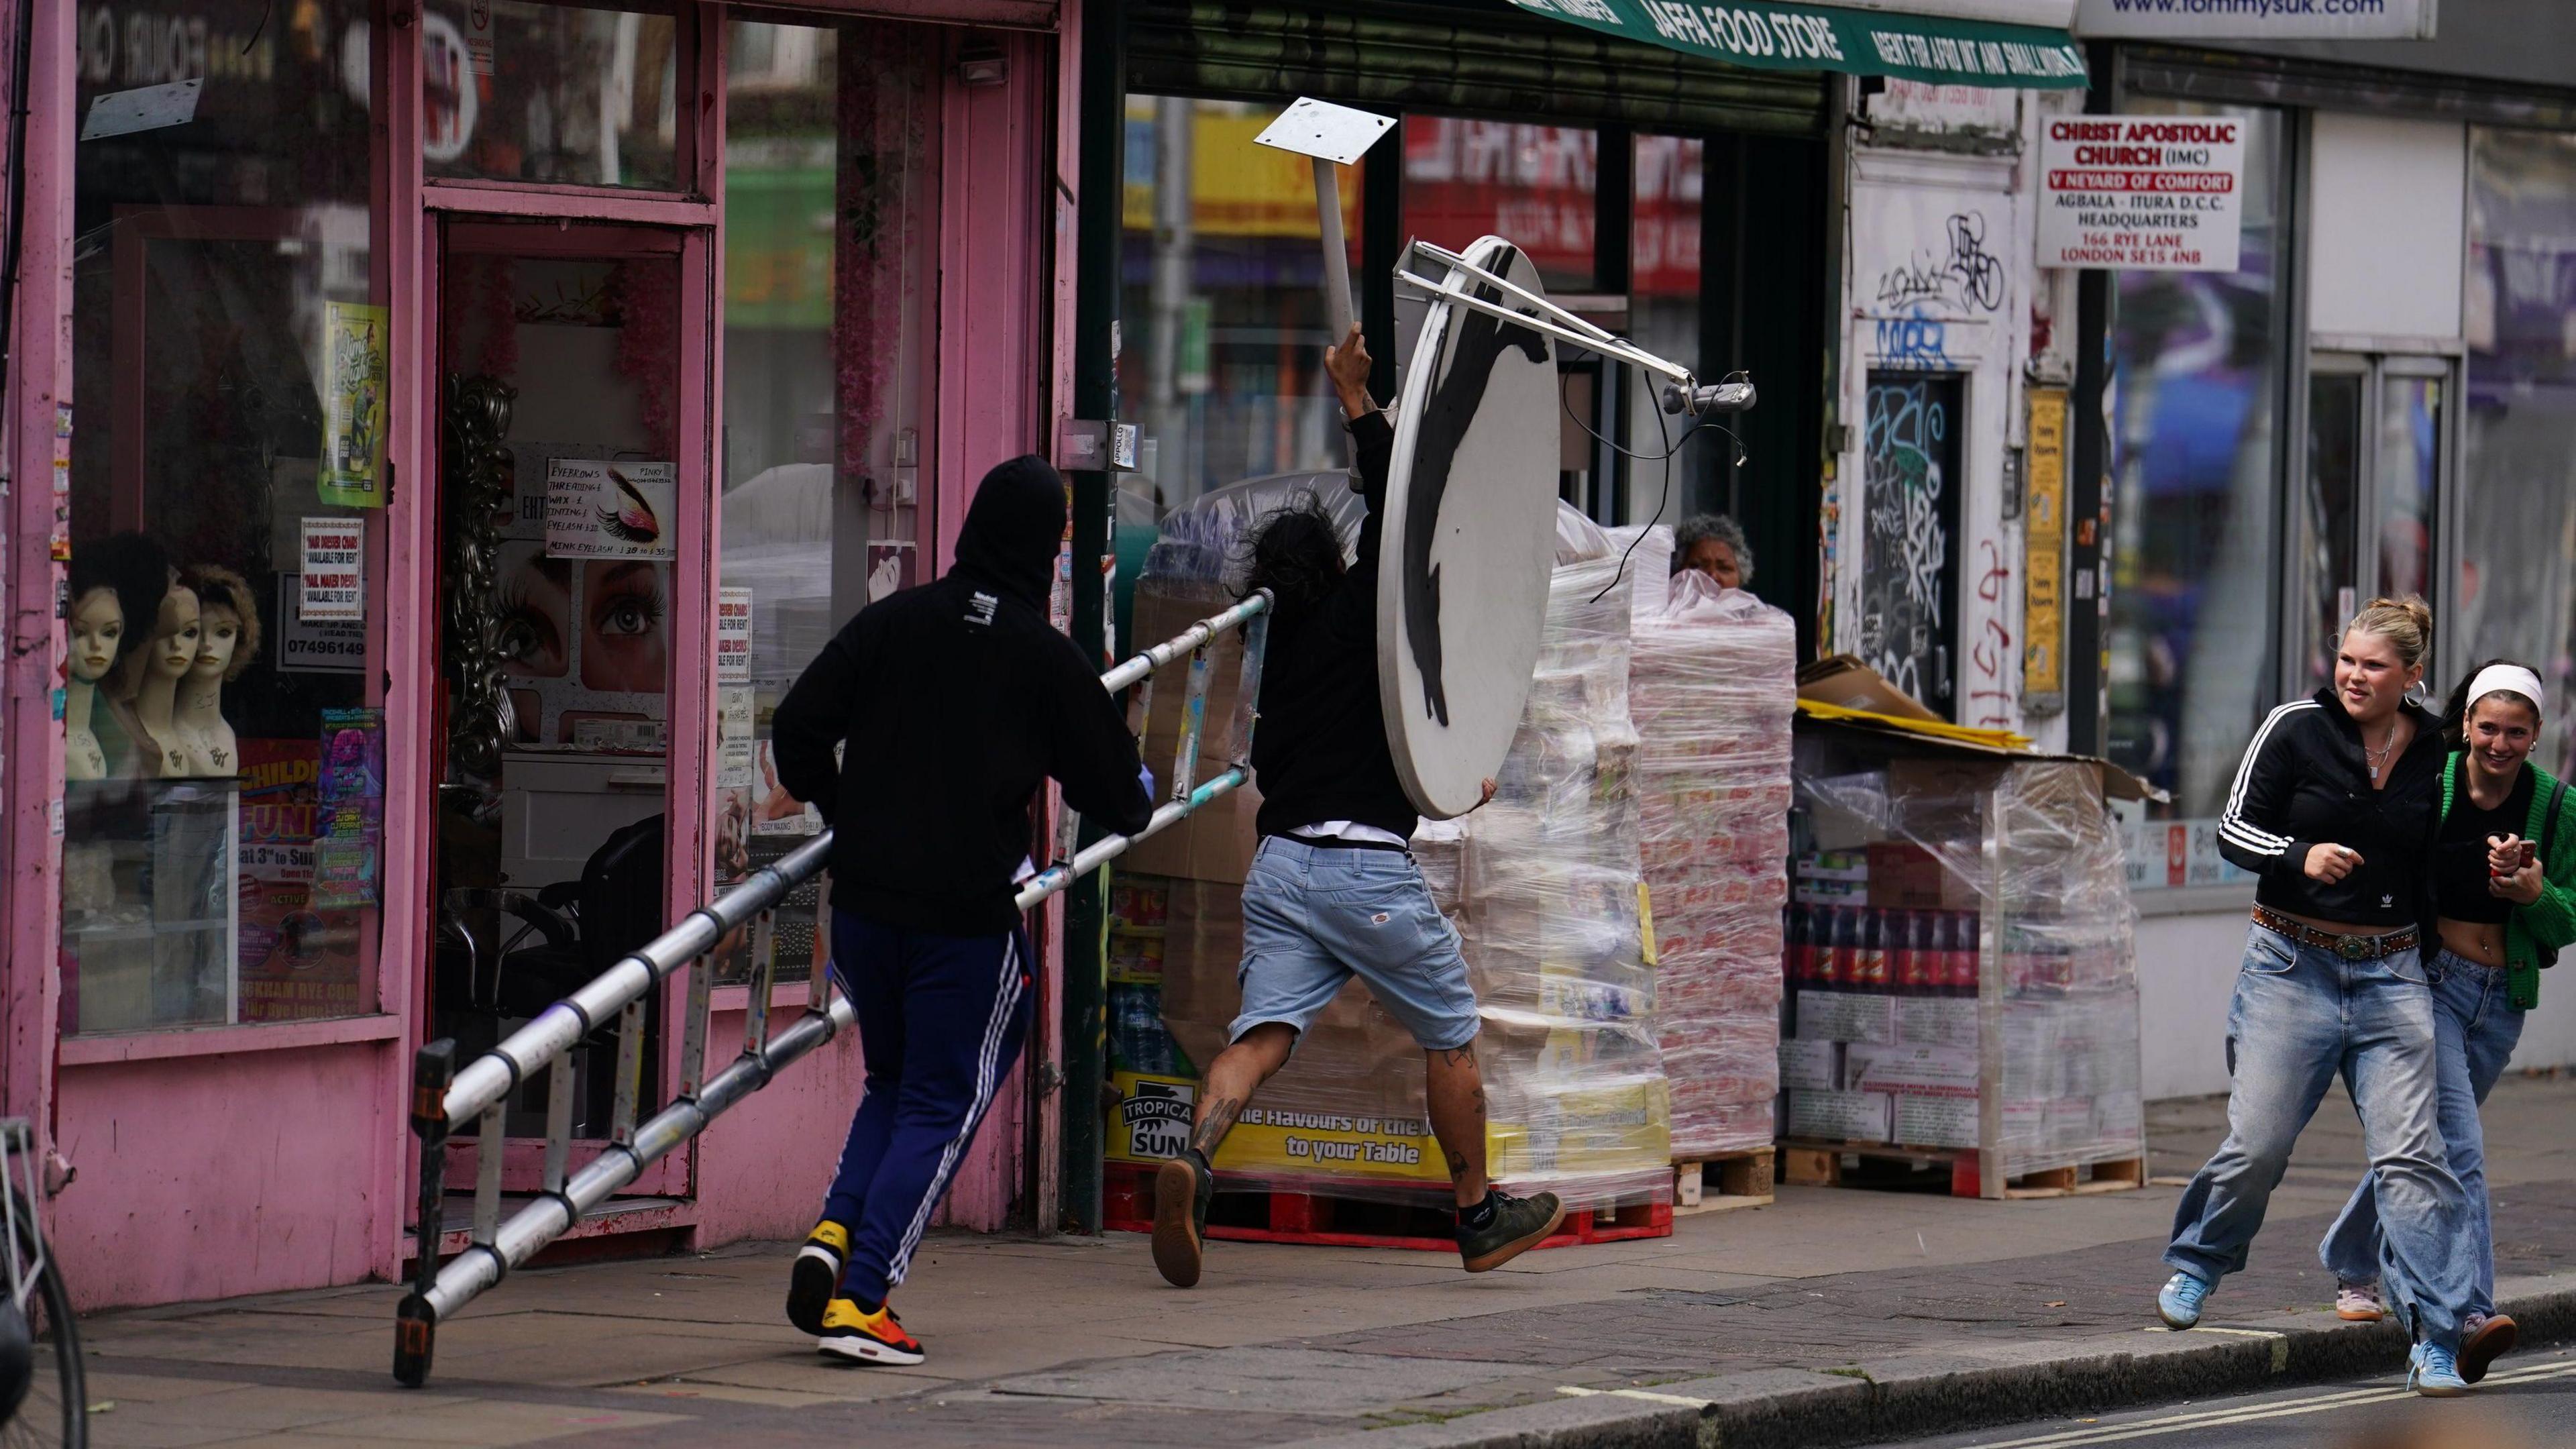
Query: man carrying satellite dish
(1333,889)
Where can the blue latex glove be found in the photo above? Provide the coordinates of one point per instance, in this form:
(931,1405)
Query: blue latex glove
(1145,777)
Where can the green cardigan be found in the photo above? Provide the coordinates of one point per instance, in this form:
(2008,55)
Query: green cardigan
(2551,920)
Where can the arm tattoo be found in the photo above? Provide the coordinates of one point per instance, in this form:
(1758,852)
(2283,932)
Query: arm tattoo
(1218,1121)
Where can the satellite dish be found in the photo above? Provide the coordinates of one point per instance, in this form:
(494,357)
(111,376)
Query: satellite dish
(1469,535)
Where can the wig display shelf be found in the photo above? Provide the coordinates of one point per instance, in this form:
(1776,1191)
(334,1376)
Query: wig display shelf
(1328,1214)
(1884,1165)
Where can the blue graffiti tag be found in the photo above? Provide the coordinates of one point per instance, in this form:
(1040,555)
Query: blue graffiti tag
(1914,341)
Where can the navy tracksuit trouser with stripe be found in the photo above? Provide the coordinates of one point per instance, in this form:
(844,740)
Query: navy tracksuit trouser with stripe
(941,1021)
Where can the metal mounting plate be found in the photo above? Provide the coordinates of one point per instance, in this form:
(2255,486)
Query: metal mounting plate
(1324,131)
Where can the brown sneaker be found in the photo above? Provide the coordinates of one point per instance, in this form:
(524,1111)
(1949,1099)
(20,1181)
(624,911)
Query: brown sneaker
(2484,1339)
(1181,1191)
(1520,1224)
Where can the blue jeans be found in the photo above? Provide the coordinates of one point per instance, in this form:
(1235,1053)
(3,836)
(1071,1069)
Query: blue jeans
(2300,1016)
(1314,915)
(2475,1026)
(941,1019)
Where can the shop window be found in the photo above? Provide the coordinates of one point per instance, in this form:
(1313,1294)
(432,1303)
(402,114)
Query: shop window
(2196,549)
(223,729)
(2517,519)
(1533,184)
(521,91)
(1221,309)
(830,248)
(1664,318)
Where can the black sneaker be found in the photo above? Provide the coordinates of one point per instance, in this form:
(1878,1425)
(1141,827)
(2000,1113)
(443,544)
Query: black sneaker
(1181,1192)
(1520,1224)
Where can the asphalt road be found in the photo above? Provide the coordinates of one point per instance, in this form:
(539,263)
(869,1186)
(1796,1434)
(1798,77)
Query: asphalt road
(2527,1402)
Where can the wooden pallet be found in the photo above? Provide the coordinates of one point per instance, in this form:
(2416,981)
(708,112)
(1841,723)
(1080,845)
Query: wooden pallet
(1723,1180)
(1330,1215)
(1885,1165)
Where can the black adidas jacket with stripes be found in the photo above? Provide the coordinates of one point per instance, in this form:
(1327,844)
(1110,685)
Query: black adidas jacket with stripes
(953,702)
(2304,782)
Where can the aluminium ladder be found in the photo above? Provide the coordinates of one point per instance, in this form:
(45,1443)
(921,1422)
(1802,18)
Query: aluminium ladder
(448,1101)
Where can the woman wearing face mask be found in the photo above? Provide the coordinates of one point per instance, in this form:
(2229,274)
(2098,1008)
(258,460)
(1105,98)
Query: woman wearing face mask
(2504,878)
(2334,809)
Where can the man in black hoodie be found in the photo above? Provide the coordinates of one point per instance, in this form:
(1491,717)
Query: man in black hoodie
(949,705)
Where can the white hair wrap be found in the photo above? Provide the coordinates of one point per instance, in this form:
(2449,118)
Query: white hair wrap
(2507,679)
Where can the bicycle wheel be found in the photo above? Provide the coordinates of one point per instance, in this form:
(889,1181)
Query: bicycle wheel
(56,1411)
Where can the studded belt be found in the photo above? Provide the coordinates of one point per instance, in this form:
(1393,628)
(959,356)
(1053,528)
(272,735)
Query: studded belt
(2350,948)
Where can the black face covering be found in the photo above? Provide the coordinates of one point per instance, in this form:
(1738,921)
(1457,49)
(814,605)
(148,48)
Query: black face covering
(1014,529)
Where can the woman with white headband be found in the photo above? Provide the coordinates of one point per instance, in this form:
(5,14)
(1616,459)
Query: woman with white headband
(2504,871)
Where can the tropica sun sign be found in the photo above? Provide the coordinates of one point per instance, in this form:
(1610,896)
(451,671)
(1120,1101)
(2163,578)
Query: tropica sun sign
(2144,193)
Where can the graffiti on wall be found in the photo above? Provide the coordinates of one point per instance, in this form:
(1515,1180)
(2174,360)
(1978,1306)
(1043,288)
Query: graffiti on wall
(1909,533)
(1916,342)
(1990,698)
(1951,273)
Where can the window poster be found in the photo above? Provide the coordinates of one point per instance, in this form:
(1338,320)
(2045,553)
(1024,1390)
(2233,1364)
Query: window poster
(334,577)
(299,960)
(602,509)
(351,807)
(733,636)
(353,405)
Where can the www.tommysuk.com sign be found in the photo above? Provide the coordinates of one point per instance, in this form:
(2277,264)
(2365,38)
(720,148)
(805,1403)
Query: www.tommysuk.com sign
(2141,193)
(2258,19)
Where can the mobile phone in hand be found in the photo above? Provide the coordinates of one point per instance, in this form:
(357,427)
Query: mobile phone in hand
(2527,852)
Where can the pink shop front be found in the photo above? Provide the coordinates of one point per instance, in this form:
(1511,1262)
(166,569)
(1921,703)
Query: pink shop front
(437,432)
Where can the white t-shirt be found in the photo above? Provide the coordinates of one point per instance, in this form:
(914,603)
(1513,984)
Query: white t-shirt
(1347,830)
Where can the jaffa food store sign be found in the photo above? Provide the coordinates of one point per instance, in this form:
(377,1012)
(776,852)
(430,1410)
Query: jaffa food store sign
(2142,193)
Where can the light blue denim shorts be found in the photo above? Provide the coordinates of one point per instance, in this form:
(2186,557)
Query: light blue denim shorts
(1314,916)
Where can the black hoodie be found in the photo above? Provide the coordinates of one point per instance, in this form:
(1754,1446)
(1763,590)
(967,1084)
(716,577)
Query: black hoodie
(953,702)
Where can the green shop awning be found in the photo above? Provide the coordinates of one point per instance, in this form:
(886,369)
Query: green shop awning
(1826,37)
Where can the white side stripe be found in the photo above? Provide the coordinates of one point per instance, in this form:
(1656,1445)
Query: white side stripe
(987,1079)
(2232,823)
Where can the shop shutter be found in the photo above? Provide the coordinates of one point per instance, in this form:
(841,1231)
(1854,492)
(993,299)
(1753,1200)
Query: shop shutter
(1468,59)
(2244,78)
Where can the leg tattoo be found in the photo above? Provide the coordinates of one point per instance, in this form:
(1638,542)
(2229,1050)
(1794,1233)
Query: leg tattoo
(1217,1121)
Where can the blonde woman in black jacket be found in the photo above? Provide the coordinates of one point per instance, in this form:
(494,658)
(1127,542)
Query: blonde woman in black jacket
(2335,809)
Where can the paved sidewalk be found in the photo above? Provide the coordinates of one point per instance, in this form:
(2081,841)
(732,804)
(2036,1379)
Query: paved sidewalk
(1859,1310)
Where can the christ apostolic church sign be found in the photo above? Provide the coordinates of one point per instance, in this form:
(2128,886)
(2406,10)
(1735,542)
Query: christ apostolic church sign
(2141,193)
(1857,42)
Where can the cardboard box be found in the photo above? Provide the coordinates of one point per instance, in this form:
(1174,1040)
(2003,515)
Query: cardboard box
(1935,1121)
(1812,1066)
(1841,1116)
(1216,842)
(1846,1016)
(1906,877)
(1834,865)
(1949,1021)
(1940,1070)
(1841,679)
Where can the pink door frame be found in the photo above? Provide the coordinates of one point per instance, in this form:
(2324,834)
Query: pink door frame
(998,316)
(691,749)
